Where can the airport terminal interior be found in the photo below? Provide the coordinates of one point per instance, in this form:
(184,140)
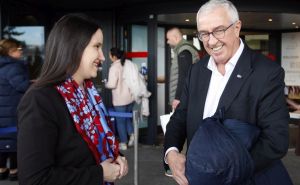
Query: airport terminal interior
(139,28)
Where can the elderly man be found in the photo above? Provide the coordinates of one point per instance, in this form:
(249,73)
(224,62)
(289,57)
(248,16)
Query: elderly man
(245,83)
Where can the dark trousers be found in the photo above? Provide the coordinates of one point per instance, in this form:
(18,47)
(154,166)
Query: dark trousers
(12,156)
(166,167)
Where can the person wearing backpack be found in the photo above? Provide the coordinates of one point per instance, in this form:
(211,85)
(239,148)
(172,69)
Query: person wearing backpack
(122,99)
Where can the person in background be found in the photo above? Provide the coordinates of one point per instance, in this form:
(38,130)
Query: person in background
(249,87)
(64,134)
(14,81)
(185,54)
(122,98)
(293,105)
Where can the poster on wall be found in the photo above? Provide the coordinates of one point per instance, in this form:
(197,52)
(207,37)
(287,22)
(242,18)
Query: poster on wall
(290,57)
(290,60)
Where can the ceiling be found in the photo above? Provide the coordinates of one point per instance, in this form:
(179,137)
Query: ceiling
(168,11)
(250,20)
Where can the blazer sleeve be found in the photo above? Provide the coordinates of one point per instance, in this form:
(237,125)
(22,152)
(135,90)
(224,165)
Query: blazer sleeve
(37,146)
(273,120)
(176,128)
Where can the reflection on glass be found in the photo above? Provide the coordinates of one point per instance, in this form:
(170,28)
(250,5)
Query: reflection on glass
(33,39)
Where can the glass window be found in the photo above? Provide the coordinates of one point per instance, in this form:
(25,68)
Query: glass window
(258,43)
(33,38)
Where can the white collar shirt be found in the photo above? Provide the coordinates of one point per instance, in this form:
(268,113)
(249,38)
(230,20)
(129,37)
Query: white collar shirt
(218,82)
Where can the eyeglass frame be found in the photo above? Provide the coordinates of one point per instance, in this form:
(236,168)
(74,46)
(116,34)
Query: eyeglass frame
(20,49)
(200,36)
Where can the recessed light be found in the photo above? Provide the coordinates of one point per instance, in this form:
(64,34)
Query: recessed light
(270,20)
(294,23)
(187,20)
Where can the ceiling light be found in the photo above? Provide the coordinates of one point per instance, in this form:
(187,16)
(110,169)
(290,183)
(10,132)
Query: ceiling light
(297,27)
(187,20)
(293,23)
(270,20)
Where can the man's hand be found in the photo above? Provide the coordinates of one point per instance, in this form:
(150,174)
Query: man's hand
(175,104)
(111,171)
(176,163)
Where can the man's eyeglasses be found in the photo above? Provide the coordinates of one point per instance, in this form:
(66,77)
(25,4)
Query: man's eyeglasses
(218,34)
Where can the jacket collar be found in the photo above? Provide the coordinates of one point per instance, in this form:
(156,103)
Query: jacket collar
(203,83)
(238,77)
(4,60)
(182,42)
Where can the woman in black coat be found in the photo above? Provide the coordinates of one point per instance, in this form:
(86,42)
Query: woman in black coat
(64,135)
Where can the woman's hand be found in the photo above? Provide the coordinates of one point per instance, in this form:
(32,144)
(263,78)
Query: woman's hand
(123,166)
(111,170)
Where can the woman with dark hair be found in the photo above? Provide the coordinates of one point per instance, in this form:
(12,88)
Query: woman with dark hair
(14,81)
(64,135)
(121,96)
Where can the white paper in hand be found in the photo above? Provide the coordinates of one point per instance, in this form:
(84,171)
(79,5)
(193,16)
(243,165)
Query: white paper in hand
(164,120)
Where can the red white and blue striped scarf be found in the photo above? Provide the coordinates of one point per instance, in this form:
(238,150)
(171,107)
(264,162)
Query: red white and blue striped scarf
(89,116)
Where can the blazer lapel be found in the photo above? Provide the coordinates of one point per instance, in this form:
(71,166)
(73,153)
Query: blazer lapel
(203,84)
(238,77)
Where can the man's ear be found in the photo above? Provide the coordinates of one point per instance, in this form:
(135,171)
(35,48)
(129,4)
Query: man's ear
(237,28)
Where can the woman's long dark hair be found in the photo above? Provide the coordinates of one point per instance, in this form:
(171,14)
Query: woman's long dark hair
(64,48)
(119,54)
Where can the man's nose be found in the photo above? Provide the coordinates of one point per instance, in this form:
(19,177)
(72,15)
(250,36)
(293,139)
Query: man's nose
(212,39)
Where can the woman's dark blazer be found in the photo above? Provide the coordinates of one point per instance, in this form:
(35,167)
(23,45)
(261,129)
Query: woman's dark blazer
(50,150)
(253,94)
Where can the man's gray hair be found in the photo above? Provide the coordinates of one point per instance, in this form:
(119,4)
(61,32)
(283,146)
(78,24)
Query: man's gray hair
(212,4)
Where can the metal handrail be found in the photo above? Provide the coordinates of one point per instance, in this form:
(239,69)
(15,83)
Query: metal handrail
(135,115)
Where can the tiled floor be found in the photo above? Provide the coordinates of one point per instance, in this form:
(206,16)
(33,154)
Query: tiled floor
(151,171)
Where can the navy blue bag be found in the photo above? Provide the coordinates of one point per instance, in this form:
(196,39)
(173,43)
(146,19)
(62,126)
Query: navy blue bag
(218,155)
(276,174)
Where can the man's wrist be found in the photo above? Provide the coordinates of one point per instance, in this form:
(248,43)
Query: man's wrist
(171,149)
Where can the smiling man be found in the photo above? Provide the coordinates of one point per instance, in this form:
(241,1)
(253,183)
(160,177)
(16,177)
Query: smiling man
(247,85)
